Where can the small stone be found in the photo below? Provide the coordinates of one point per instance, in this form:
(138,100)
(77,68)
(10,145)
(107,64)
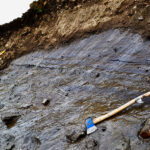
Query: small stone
(75,134)
(45,102)
(26,106)
(145,131)
(140,18)
(135,7)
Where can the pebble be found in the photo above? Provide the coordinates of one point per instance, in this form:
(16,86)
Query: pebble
(140,18)
(45,102)
(26,106)
(74,134)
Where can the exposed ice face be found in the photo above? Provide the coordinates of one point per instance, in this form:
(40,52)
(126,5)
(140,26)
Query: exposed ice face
(12,9)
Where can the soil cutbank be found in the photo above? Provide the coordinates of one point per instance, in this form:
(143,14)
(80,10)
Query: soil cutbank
(49,23)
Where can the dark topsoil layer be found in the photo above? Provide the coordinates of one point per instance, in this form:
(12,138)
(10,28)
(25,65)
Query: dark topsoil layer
(45,24)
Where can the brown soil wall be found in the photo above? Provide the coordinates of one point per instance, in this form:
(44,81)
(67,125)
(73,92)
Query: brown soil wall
(49,23)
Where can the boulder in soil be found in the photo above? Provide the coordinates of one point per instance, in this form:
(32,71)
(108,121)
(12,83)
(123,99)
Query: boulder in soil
(74,134)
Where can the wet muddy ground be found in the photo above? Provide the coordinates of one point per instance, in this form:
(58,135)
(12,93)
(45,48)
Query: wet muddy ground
(85,79)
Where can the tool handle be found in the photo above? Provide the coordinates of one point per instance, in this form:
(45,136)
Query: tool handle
(103,117)
(113,112)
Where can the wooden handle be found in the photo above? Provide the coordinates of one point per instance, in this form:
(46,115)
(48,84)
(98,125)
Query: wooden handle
(113,112)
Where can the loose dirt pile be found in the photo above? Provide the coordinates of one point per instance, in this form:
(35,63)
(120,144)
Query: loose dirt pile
(50,23)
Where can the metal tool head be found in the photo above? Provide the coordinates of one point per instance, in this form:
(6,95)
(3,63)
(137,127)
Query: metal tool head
(140,101)
(90,127)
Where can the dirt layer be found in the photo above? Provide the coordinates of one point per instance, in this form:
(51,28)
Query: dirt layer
(49,23)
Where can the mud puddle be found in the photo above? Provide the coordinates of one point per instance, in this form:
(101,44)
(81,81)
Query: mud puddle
(86,78)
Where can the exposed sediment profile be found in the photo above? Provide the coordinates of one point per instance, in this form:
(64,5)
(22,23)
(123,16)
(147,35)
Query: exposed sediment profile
(49,23)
